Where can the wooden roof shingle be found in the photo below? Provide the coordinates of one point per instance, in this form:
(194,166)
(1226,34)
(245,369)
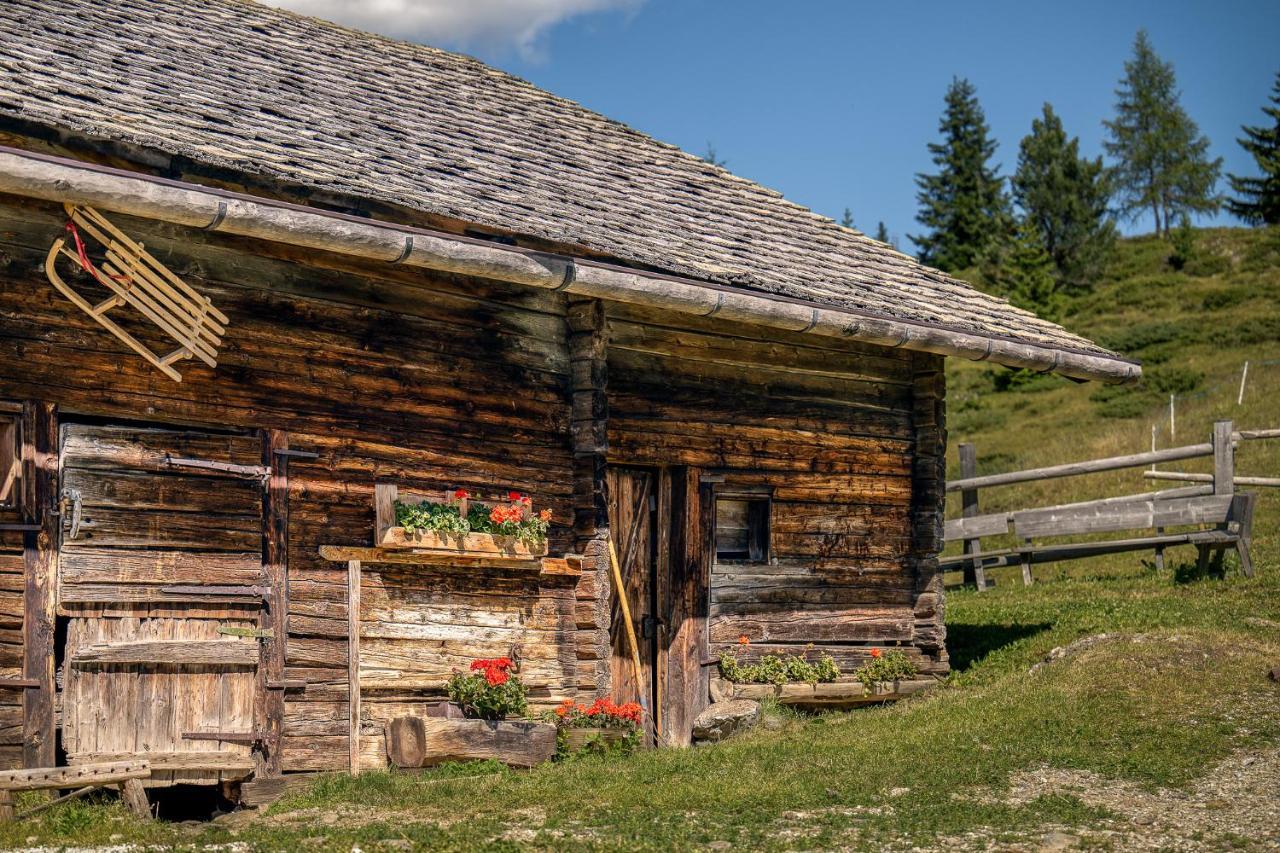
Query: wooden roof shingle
(233,84)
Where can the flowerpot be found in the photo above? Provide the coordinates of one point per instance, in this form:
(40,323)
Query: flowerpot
(464,545)
(579,737)
(426,741)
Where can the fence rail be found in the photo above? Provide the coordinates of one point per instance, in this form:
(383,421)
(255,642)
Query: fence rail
(1211,501)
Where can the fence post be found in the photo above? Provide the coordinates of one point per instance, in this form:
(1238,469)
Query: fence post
(1224,458)
(973,571)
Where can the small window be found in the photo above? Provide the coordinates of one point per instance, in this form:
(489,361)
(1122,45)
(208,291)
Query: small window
(742,527)
(10,462)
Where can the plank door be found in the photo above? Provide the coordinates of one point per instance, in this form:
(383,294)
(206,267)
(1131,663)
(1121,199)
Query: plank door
(632,525)
(161,553)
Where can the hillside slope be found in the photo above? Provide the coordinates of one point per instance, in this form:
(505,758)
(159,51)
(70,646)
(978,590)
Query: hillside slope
(1193,329)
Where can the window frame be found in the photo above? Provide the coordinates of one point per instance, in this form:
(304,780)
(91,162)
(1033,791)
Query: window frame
(11,507)
(759,502)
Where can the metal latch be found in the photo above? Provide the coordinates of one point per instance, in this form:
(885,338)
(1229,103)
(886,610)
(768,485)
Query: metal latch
(72,497)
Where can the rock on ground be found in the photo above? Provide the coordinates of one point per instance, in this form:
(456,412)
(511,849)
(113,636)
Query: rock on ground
(721,719)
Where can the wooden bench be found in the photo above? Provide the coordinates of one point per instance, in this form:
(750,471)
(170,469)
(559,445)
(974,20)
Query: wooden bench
(1219,522)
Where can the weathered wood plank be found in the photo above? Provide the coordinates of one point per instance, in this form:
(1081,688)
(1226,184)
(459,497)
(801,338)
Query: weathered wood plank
(170,653)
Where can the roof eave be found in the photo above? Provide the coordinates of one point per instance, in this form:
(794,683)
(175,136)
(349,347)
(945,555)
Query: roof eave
(63,180)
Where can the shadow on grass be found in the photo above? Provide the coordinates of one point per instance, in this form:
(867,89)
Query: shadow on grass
(969,644)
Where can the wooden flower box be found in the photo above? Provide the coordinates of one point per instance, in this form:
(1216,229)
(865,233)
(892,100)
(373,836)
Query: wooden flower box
(427,741)
(827,694)
(579,737)
(388,535)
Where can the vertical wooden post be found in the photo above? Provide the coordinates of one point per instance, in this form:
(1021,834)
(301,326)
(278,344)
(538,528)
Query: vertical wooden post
(974,573)
(353,660)
(274,615)
(1224,458)
(587,342)
(40,550)
(1027,579)
(1224,472)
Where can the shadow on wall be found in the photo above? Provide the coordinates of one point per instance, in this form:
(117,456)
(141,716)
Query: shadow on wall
(968,644)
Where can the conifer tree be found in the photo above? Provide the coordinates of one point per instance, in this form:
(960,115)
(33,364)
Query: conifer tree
(1258,201)
(963,206)
(1065,196)
(1023,273)
(847,219)
(882,233)
(1162,160)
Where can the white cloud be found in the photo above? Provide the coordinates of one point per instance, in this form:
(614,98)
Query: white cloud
(501,24)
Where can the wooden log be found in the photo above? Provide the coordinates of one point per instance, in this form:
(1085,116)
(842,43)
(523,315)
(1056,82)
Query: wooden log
(259,793)
(135,798)
(1092,466)
(40,477)
(1269,482)
(517,743)
(93,773)
(269,705)
(407,742)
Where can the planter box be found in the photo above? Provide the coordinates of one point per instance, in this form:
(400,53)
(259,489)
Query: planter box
(827,694)
(577,738)
(388,535)
(426,741)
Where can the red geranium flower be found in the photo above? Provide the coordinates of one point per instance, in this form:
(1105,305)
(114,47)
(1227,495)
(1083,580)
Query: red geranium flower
(461,495)
(513,496)
(875,653)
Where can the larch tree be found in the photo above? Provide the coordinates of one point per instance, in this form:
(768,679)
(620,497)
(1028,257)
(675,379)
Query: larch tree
(1257,199)
(1161,159)
(1066,198)
(964,205)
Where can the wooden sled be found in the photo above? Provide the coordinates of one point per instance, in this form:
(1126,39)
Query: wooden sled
(138,280)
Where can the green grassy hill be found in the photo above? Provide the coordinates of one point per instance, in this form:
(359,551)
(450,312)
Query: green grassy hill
(1193,329)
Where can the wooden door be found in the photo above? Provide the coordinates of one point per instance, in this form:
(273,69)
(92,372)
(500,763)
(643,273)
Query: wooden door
(632,524)
(161,581)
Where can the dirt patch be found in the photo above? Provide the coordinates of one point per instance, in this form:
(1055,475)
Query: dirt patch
(1235,806)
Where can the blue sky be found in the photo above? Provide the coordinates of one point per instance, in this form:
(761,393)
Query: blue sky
(832,103)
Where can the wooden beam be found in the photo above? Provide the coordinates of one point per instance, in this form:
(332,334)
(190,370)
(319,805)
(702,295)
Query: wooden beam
(40,552)
(230,762)
(1224,458)
(973,573)
(1091,466)
(1266,482)
(170,652)
(353,663)
(401,556)
(97,773)
(268,705)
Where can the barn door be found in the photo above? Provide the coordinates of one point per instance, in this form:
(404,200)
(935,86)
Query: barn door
(632,524)
(161,584)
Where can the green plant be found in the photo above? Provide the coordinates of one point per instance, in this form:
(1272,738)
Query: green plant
(1183,239)
(886,666)
(772,669)
(460,516)
(489,691)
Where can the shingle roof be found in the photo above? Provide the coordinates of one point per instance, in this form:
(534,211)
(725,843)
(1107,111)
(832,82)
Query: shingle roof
(234,84)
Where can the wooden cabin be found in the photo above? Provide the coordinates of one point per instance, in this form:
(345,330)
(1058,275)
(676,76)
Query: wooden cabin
(432,276)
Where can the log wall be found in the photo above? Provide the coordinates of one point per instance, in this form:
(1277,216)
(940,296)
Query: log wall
(831,432)
(440,382)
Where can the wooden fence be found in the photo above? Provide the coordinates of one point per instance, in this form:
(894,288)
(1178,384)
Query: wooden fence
(1212,500)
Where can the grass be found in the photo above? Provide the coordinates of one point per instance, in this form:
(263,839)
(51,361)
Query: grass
(1180,686)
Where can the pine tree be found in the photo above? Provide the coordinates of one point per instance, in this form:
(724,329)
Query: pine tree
(1259,198)
(1162,163)
(882,233)
(964,205)
(1022,272)
(1066,197)
(847,219)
